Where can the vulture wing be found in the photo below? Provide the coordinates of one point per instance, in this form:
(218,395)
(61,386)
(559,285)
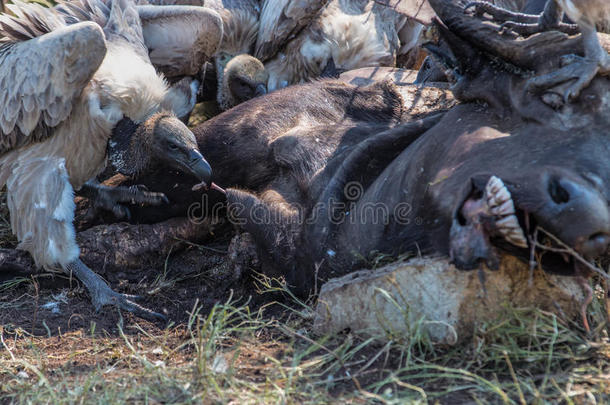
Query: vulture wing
(124,25)
(419,10)
(42,73)
(281,20)
(239,18)
(180,39)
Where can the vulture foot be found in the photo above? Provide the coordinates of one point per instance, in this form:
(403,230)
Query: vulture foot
(498,14)
(576,70)
(110,198)
(102,295)
(520,23)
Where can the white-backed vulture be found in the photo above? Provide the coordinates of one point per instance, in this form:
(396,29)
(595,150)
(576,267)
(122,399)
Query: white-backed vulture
(347,33)
(68,76)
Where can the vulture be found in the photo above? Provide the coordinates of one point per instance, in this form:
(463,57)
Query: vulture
(239,75)
(577,72)
(340,35)
(72,78)
(298,40)
(236,75)
(243,78)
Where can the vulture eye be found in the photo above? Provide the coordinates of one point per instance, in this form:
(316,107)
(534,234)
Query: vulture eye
(173,146)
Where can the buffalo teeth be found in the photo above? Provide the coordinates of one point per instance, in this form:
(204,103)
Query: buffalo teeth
(501,205)
(507,208)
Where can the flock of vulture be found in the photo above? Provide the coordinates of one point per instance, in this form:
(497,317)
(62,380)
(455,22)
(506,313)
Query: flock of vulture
(327,151)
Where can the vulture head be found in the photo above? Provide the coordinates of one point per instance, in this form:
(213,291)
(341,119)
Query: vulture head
(162,139)
(244,77)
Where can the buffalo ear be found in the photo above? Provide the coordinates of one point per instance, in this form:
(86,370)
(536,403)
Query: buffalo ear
(118,149)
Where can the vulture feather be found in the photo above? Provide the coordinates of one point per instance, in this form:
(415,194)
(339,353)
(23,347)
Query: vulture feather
(68,76)
(344,34)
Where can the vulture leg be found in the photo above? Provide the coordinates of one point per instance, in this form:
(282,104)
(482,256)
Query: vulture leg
(41,202)
(101,294)
(110,198)
(525,24)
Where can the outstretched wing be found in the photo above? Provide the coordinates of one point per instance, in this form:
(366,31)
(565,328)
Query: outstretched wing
(42,73)
(180,39)
(280,20)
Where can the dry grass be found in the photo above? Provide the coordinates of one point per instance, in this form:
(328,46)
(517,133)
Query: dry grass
(270,355)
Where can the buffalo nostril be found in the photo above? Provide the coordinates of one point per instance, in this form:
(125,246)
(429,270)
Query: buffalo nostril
(557,192)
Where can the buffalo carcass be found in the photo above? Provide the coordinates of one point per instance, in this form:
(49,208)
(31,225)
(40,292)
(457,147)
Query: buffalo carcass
(329,190)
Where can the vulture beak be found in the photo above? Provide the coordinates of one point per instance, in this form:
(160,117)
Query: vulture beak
(199,167)
(260,90)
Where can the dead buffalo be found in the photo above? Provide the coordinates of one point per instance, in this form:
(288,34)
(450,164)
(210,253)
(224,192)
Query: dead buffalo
(331,176)
(510,168)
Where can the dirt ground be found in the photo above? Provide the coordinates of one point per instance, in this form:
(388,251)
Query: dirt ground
(51,303)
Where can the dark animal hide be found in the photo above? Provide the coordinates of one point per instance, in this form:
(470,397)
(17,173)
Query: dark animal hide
(291,133)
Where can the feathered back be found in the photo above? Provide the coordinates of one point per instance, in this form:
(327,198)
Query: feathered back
(240,20)
(281,20)
(124,22)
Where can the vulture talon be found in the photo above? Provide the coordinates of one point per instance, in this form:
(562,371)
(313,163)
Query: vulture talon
(581,71)
(102,295)
(499,14)
(585,14)
(110,198)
